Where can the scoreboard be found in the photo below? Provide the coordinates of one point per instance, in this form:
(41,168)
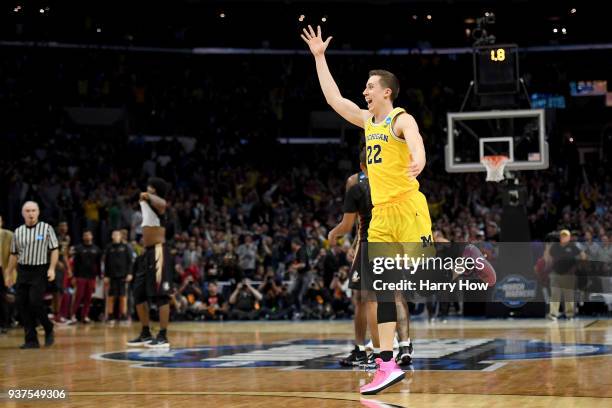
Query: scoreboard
(496,69)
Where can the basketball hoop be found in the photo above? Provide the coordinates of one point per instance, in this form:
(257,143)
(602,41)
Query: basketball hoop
(495,167)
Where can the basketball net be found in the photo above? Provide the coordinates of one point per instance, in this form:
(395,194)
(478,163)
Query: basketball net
(495,167)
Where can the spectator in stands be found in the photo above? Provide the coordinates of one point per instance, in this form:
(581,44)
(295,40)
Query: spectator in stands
(91,208)
(492,231)
(192,255)
(229,264)
(247,256)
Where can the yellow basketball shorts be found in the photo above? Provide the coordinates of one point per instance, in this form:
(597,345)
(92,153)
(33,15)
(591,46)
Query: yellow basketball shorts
(405,222)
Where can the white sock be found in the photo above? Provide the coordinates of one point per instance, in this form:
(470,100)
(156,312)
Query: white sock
(361,348)
(376,350)
(405,343)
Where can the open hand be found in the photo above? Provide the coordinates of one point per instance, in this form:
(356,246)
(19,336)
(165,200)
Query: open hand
(315,41)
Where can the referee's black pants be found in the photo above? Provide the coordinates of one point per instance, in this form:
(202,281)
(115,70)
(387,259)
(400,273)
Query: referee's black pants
(31,286)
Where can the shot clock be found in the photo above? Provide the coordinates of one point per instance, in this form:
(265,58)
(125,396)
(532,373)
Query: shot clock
(496,69)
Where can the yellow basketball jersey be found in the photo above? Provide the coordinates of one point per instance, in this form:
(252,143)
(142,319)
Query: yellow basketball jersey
(388,159)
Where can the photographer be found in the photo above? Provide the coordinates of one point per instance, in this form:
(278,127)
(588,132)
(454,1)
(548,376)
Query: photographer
(341,294)
(214,306)
(189,298)
(245,301)
(275,305)
(316,300)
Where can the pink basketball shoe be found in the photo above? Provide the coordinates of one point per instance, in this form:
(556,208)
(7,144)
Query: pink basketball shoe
(387,374)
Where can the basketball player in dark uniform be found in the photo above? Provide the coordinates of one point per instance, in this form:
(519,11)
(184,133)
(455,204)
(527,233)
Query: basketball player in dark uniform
(153,278)
(357,202)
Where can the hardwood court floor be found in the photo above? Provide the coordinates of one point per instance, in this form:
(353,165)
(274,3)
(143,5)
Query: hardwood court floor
(474,363)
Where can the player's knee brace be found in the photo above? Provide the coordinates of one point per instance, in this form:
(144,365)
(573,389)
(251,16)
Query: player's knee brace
(386,312)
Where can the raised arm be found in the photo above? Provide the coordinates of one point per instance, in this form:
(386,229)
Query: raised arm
(234,295)
(255,292)
(344,107)
(406,127)
(156,201)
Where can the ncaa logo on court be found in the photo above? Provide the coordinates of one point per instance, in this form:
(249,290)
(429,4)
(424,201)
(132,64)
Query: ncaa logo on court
(430,354)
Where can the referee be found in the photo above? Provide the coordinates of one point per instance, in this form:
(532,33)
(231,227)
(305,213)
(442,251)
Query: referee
(34,251)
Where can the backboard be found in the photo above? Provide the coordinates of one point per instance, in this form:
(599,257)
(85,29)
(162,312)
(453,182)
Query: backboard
(518,134)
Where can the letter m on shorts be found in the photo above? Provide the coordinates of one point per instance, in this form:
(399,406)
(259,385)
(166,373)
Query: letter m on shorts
(427,241)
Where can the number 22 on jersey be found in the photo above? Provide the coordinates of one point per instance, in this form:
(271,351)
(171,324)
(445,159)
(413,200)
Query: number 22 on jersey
(374,154)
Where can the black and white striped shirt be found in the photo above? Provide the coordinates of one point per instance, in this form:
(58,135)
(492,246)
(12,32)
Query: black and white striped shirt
(32,244)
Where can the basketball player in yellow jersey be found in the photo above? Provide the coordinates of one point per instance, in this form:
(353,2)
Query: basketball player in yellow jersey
(396,156)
